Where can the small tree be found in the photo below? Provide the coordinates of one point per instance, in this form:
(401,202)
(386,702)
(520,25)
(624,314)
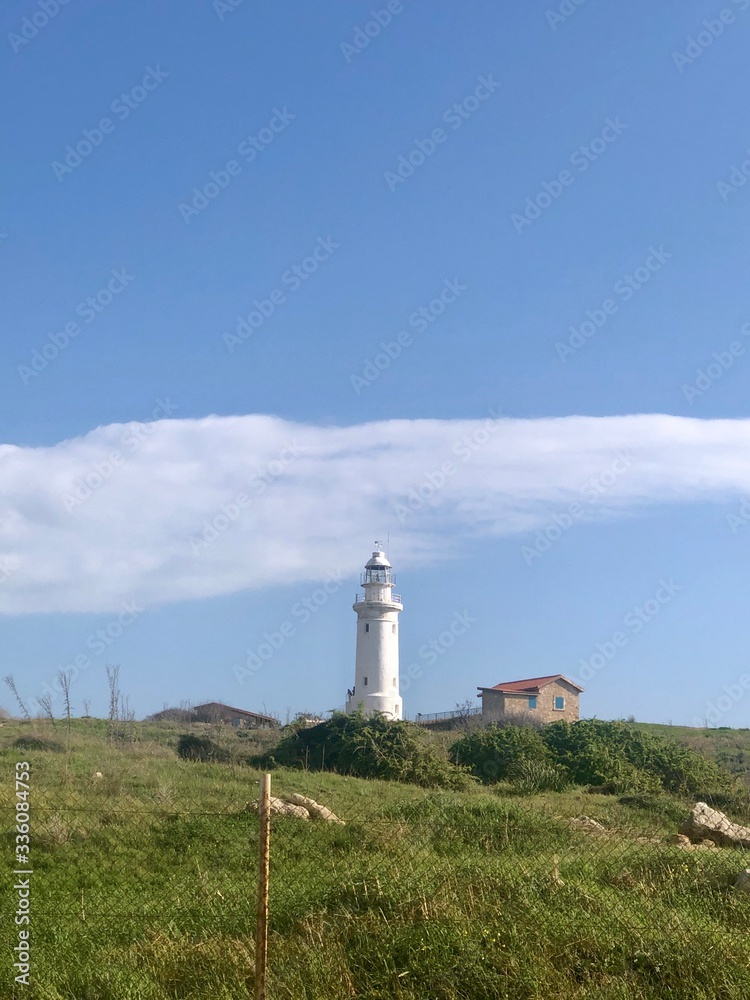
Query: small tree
(64,678)
(45,704)
(12,685)
(113,679)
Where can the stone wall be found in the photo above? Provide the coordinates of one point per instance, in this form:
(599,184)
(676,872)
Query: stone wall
(497,706)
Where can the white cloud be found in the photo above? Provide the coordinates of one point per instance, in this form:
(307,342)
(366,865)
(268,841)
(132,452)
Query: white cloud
(139,532)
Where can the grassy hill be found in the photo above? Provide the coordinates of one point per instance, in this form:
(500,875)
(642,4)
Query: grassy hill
(730,747)
(145,877)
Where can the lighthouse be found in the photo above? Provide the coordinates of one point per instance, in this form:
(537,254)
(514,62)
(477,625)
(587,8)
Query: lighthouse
(376,670)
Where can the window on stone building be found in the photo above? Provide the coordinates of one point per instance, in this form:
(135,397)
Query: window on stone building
(532,701)
(559,704)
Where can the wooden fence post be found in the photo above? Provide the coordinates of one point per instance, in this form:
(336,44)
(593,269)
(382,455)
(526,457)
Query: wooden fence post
(264,857)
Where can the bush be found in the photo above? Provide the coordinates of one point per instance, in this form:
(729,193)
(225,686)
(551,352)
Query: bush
(491,752)
(201,748)
(529,776)
(366,748)
(37,743)
(612,757)
(620,758)
(661,806)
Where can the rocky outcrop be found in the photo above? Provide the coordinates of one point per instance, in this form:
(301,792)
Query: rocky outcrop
(300,807)
(314,808)
(281,808)
(680,840)
(587,825)
(705,823)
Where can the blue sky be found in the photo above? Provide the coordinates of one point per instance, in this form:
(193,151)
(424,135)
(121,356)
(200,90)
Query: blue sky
(593,128)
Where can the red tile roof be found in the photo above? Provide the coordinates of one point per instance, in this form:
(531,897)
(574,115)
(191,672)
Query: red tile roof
(531,685)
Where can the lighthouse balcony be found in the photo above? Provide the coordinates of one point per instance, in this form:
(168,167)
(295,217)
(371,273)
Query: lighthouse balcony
(392,599)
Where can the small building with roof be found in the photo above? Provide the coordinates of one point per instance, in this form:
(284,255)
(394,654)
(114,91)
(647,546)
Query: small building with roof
(546,699)
(215,711)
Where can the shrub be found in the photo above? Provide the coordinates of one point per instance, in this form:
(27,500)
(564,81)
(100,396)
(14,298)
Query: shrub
(530,775)
(661,806)
(492,751)
(620,758)
(37,743)
(616,758)
(367,748)
(200,748)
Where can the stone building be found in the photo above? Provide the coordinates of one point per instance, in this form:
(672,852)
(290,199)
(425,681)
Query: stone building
(546,699)
(216,712)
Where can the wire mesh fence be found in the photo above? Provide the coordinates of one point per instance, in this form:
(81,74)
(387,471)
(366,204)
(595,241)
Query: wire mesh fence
(146,886)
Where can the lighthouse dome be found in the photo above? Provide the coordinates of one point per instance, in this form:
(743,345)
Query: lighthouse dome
(378,561)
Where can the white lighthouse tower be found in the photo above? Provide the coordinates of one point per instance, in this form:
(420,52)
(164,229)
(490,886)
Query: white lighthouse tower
(376,672)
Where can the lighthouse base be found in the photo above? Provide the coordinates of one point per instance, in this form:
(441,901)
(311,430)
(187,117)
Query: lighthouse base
(372,704)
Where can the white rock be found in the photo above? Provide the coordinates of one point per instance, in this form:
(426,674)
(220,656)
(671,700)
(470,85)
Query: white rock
(588,824)
(314,808)
(707,823)
(299,806)
(281,808)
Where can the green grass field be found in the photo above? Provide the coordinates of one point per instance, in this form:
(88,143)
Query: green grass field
(145,879)
(730,747)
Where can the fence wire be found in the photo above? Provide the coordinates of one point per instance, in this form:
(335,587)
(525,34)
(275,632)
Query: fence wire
(146,889)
